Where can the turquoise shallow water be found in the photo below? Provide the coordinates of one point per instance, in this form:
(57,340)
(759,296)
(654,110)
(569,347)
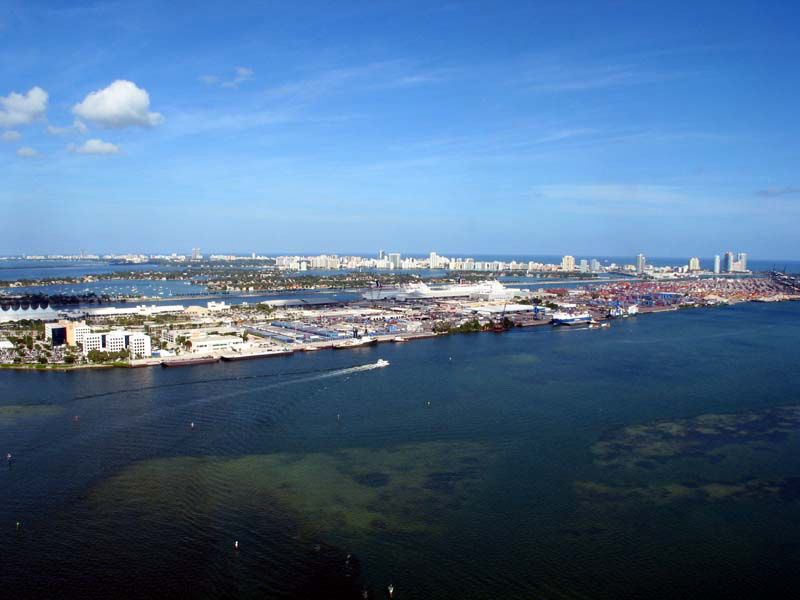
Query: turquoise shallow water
(471,467)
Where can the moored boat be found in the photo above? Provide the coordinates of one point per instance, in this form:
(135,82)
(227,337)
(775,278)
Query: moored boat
(252,355)
(189,361)
(565,318)
(355,343)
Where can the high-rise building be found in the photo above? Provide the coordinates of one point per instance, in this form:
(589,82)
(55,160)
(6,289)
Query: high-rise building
(395,260)
(433,262)
(595,265)
(716,263)
(584,268)
(641,263)
(381,255)
(568,263)
(694,264)
(728,264)
(196,254)
(742,261)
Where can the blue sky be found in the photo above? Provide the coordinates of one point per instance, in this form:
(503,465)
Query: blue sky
(465,127)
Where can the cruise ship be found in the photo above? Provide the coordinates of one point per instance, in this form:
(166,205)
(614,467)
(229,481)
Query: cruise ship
(490,290)
(565,318)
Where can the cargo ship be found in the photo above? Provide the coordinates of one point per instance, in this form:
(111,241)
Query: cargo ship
(565,318)
(355,343)
(189,361)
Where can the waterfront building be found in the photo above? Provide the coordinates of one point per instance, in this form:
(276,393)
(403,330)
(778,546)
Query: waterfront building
(196,254)
(66,332)
(641,263)
(728,264)
(137,343)
(212,343)
(584,268)
(56,333)
(395,260)
(694,264)
(741,261)
(716,264)
(433,261)
(568,263)
(595,265)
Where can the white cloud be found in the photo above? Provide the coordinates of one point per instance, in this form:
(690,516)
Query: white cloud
(242,74)
(94,146)
(121,104)
(77,126)
(19,109)
(11,136)
(27,152)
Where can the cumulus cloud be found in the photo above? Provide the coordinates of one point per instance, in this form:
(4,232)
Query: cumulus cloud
(94,146)
(121,104)
(77,126)
(19,109)
(27,152)
(11,136)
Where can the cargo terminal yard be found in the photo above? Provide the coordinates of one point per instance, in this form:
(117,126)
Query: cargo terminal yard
(176,335)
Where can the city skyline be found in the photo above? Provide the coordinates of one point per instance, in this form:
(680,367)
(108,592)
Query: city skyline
(567,128)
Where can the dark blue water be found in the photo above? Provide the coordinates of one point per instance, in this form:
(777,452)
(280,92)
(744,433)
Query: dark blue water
(467,468)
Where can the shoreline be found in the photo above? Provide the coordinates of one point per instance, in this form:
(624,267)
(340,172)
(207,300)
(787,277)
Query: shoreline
(157,362)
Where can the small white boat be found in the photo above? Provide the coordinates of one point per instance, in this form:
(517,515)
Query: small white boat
(382,363)
(399,339)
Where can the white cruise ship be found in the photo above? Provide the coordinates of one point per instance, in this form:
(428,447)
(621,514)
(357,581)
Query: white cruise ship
(489,290)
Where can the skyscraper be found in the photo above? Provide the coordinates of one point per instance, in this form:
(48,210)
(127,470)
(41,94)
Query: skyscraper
(381,254)
(595,265)
(196,254)
(742,261)
(568,263)
(394,259)
(641,263)
(716,263)
(728,264)
(694,264)
(433,262)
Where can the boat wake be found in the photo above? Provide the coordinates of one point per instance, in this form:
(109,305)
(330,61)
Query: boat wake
(315,374)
